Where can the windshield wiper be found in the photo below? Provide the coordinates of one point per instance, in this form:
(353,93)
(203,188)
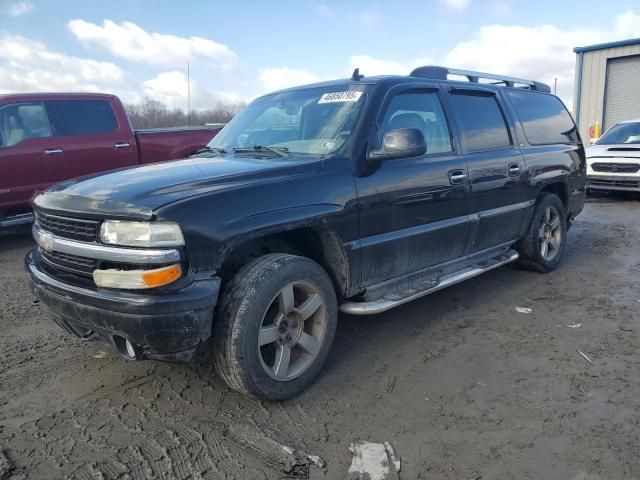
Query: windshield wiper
(219,150)
(281,151)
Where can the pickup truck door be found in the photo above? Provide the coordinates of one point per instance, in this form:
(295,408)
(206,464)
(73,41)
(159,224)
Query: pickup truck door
(413,211)
(28,153)
(91,137)
(497,174)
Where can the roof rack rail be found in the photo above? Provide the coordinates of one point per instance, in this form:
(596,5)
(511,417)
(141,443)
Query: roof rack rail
(442,73)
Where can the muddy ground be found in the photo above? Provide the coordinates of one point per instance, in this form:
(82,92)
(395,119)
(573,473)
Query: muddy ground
(462,385)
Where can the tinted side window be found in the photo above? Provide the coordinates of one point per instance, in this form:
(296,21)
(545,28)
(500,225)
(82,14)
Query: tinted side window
(421,110)
(544,118)
(19,122)
(483,124)
(81,117)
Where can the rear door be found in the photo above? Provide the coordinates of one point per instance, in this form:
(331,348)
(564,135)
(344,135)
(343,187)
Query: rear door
(91,137)
(29,153)
(497,174)
(413,211)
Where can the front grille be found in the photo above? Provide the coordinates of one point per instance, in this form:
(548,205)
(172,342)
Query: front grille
(74,228)
(70,263)
(616,167)
(598,182)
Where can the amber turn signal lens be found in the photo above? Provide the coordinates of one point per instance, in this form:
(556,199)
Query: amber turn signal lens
(136,279)
(162,276)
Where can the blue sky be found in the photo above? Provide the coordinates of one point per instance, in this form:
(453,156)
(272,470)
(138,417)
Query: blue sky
(238,50)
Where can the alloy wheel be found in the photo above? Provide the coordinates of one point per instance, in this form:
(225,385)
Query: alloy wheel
(292,331)
(550,233)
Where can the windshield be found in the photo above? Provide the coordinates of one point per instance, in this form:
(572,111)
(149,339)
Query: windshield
(314,121)
(622,133)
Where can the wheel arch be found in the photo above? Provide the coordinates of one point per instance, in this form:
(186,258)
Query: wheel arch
(321,245)
(558,188)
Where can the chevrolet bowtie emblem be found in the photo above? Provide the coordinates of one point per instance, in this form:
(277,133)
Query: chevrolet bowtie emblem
(46,242)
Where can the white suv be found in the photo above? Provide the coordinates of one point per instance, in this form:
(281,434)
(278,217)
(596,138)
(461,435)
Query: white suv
(613,161)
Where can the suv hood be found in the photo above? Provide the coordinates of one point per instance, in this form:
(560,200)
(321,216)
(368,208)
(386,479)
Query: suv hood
(614,151)
(136,192)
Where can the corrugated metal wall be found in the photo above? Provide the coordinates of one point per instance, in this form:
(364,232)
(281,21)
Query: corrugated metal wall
(594,73)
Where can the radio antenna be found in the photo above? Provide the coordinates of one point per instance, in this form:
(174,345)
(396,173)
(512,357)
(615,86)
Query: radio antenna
(188,94)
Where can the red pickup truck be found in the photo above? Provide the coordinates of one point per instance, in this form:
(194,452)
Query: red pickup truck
(48,138)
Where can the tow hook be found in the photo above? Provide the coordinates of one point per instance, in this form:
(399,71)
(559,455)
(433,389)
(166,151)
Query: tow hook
(127,349)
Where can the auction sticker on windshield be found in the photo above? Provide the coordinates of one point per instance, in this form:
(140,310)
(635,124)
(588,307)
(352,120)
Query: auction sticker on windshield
(348,96)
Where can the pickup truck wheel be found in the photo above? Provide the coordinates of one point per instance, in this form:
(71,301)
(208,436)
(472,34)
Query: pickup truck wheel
(543,245)
(275,326)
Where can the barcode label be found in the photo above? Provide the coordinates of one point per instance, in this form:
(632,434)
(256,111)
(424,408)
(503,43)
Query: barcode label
(348,96)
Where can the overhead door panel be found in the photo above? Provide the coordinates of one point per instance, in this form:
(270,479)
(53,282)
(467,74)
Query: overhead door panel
(622,94)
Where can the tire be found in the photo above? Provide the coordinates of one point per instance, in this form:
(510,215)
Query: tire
(288,302)
(548,225)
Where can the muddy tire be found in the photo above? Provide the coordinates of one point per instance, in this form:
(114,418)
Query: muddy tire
(542,246)
(275,326)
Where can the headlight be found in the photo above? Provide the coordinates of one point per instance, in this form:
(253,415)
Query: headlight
(141,234)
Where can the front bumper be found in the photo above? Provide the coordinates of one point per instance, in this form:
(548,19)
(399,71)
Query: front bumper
(166,326)
(627,183)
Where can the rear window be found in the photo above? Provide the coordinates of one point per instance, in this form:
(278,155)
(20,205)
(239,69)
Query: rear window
(483,124)
(544,117)
(81,117)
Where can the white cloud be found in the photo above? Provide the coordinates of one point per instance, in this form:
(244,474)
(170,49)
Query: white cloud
(131,42)
(27,65)
(272,79)
(371,66)
(456,5)
(540,52)
(628,25)
(170,88)
(15,9)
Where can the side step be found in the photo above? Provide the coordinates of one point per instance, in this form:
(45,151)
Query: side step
(385,303)
(22,219)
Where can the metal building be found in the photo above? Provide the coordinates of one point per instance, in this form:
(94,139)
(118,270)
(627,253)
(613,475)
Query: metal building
(607,86)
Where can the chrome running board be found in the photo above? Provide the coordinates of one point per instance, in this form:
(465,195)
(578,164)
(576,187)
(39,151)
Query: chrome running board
(384,304)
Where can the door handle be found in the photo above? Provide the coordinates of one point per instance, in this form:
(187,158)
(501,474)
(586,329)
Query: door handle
(121,145)
(514,170)
(457,177)
(53,151)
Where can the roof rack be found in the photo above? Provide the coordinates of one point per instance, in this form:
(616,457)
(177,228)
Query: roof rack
(442,73)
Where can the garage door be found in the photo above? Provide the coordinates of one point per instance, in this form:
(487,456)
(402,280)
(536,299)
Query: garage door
(622,95)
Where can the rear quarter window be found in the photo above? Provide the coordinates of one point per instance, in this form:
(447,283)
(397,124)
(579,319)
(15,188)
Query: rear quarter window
(544,118)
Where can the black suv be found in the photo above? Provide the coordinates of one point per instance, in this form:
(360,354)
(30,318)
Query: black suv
(356,195)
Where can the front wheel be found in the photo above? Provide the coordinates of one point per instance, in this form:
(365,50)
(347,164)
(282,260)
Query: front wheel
(275,326)
(543,245)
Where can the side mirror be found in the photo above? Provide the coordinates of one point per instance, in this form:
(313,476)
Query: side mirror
(594,140)
(400,143)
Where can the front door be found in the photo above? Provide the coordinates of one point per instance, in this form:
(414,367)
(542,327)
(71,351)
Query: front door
(31,157)
(413,211)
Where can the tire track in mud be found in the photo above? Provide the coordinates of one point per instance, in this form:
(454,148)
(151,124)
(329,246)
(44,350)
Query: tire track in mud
(155,440)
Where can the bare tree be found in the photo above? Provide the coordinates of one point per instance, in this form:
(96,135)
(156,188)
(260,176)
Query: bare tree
(150,113)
